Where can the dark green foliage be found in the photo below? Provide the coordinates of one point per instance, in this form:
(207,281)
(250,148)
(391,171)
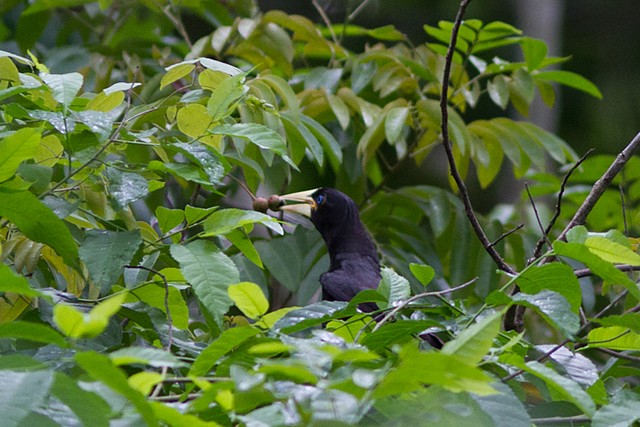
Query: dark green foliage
(138,287)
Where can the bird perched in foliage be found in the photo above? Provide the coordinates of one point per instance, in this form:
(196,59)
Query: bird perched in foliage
(354,264)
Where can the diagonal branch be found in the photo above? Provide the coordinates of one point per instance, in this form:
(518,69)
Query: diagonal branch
(545,238)
(446,142)
(601,185)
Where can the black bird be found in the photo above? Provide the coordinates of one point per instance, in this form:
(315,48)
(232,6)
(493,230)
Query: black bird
(354,264)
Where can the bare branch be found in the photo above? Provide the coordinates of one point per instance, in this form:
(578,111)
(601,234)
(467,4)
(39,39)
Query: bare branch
(601,185)
(464,194)
(506,234)
(545,236)
(538,249)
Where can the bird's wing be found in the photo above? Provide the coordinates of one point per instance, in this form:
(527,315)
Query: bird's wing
(344,283)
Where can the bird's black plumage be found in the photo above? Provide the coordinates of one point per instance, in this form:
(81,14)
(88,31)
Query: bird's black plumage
(354,264)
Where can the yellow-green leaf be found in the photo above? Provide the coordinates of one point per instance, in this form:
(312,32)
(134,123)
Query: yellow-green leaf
(248,297)
(611,251)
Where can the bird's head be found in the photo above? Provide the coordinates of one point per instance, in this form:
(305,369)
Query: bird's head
(334,215)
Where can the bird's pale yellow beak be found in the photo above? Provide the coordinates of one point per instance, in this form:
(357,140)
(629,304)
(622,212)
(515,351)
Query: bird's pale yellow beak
(305,203)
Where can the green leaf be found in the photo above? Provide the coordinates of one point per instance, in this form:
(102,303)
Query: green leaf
(240,240)
(393,286)
(298,135)
(32,331)
(17,147)
(64,86)
(75,324)
(505,409)
(614,338)
(424,273)
(394,123)
(11,282)
(612,251)
(90,408)
(535,51)
(146,356)
(570,79)
(555,277)
(224,221)
(225,97)
(435,406)
(600,267)
(309,316)
(568,389)
(473,343)
(209,272)
(176,72)
(417,369)
(248,297)
(154,295)
(227,341)
(21,393)
(100,368)
(105,253)
(397,332)
(331,147)
(168,219)
(623,411)
(173,417)
(257,134)
(126,187)
(213,166)
(554,308)
(215,65)
(38,222)
(499,91)
(628,320)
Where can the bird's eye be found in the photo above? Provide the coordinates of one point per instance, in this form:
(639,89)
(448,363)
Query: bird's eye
(320,199)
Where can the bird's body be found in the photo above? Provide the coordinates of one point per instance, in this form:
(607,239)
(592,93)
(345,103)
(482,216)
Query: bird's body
(354,264)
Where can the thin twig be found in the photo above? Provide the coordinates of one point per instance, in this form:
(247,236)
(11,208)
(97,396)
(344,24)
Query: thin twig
(623,205)
(464,194)
(582,329)
(389,315)
(601,185)
(586,272)
(545,236)
(538,248)
(575,420)
(506,234)
(326,20)
(100,151)
(619,355)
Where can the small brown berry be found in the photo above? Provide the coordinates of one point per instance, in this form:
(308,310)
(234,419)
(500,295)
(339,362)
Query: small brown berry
(260,204)
(275,202)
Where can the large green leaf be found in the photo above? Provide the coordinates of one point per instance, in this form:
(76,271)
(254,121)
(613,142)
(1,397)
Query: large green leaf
(32,331)
(230,339)
(604,269)
(11,282)
(16,148)
(474,342)
(623,411)
(257,134)
(64,86)
(76,324)
(126,187)
(248,297)
(209,272)
(100,368)
(554,308)
(615,338)
(555,277)
(224,221)
(38,222)
(90,408)
(418,368)
(105,253)
(154,357)
(570,79)
(21,393)
(566,388)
